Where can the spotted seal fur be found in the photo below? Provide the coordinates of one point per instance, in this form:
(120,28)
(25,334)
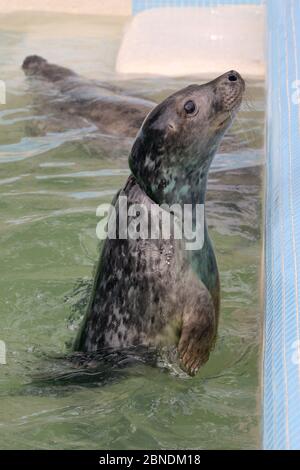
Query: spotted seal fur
(155,292)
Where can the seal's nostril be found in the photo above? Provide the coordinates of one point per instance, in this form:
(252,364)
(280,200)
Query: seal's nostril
(232,77)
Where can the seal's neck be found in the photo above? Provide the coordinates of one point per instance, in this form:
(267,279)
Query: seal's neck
(188,187)
(190,190)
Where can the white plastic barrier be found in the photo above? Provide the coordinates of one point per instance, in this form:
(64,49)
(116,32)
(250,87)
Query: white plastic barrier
(195,40)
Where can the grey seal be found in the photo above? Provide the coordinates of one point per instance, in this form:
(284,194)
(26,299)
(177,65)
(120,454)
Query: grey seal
(154,292)
(101,103)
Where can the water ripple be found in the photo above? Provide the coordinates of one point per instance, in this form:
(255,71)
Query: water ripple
(29,147)
(87,174)
(76,194)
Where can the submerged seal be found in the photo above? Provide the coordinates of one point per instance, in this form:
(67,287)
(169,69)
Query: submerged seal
(154,291)
(99,102)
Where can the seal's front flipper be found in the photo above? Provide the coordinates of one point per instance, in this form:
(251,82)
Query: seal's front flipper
(198,332)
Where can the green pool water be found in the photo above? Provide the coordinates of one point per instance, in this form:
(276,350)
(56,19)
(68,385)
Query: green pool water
(50,186)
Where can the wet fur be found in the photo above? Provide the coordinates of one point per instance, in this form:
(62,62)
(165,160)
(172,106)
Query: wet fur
(155,292)
(100,103)
(146,292)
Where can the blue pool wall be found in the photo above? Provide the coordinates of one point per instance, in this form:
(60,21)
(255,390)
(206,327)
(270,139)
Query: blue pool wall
(141,5)
(281,367)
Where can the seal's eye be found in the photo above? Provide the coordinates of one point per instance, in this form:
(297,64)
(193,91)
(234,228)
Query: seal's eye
(189,107)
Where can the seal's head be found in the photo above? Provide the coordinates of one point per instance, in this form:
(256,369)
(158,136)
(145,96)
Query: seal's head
(34,65)
(177,141)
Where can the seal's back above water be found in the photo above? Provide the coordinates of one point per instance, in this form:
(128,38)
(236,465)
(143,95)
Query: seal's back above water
(154,291)
(101,103)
